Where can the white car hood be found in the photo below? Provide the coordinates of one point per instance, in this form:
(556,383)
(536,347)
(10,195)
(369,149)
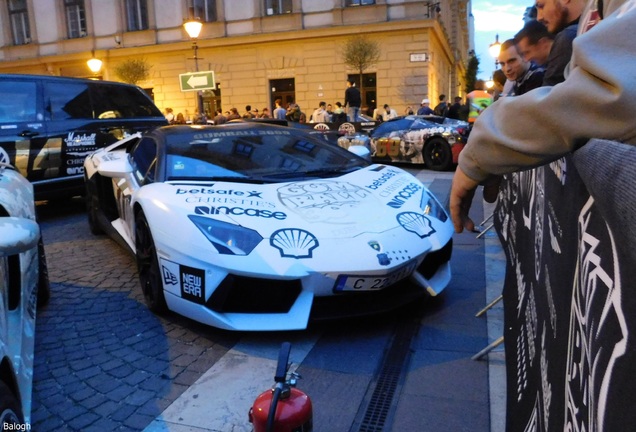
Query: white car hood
(371,200)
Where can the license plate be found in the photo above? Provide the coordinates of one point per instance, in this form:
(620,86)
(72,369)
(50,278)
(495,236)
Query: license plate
(372,283)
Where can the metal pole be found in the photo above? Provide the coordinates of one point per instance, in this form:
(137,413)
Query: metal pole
(196,69)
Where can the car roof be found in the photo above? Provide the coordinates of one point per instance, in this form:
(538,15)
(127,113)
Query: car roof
(27,77)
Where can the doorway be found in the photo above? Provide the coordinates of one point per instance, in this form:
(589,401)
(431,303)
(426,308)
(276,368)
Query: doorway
(283,89)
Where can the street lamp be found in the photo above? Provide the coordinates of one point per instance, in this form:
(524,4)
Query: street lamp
(494,49)
(193,28)
(94,64)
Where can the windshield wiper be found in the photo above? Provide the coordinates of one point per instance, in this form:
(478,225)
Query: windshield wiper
(233,179)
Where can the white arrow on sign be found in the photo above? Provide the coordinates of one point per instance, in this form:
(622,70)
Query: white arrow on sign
(198,81)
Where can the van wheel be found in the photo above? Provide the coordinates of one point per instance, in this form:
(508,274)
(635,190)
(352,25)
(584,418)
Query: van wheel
(148,266)
(10,411)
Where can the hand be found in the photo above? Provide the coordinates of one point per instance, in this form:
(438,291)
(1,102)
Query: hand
(461,198)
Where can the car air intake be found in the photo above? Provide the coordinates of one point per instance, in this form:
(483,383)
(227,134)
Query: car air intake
(434,260)
(240,294)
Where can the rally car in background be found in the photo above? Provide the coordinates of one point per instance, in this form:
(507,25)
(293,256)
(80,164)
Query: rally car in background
(23,286)
(252,226)
(419,140)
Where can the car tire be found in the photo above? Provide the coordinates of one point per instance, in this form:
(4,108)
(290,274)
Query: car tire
(10,411)
(437,154)
(44,286)
(148,266)
(92,207)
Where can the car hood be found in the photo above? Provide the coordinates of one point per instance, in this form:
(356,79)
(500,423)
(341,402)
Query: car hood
(371,200)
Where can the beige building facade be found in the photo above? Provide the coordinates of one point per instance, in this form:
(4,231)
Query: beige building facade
(258,49)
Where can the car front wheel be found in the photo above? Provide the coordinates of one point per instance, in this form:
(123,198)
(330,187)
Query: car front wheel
(10,412)
(437,154)
(148,266)
(92,204)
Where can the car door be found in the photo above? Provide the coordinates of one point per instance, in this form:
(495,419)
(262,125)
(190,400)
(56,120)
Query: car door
(23,131)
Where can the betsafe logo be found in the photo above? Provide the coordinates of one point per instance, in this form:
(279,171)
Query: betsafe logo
(209,191)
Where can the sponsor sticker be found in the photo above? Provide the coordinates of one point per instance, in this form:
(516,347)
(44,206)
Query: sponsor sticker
(192,284)
(188,282)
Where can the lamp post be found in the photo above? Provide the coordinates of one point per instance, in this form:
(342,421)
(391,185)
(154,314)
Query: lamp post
(193,28)
(494,49)
(94,64)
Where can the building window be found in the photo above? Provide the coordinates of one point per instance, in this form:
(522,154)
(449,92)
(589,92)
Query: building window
(137,14)
(278,7)
(75,18)
(19,17)
(205,10)
(360,2)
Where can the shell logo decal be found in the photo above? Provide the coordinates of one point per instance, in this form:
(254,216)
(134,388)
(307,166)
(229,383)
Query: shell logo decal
(416,223)
(294,242)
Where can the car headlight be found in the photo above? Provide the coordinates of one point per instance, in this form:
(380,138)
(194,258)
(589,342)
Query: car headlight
(431,207)
(227,238)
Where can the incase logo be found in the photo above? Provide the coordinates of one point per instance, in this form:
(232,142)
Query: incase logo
(239,211)
(205,191)
(402,196)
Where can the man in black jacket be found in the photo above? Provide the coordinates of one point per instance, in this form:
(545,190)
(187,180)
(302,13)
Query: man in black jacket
(352,100)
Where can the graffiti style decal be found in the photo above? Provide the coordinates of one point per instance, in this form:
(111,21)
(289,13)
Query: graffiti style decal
(596,341)
(327,201)
(294,243)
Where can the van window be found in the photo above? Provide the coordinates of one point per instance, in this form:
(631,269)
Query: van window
(18,101)
(65,101)
(117,101)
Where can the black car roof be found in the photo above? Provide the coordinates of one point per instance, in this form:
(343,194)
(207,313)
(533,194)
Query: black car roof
(26,77)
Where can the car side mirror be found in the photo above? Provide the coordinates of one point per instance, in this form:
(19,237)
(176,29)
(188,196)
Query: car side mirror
(17,235)
(116,167)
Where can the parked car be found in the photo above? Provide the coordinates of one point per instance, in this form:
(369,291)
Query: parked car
(252,226)
(417,140)
(23,286)
(48,125)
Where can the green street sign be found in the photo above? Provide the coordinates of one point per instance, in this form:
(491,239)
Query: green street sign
(195,81)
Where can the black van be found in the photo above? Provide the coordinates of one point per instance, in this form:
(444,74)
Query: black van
(48,125)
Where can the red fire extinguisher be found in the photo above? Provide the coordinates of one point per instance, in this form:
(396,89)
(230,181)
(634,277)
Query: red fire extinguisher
(283,408)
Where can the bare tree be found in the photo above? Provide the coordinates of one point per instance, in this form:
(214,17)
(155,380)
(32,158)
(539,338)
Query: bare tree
(133,71)
(360,53)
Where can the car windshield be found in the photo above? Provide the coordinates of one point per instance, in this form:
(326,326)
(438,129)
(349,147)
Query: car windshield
(267,154)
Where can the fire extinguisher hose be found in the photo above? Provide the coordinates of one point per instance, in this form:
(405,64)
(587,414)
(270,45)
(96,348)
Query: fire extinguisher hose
(272,408)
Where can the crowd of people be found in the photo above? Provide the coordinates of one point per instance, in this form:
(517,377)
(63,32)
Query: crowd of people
(350,110)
